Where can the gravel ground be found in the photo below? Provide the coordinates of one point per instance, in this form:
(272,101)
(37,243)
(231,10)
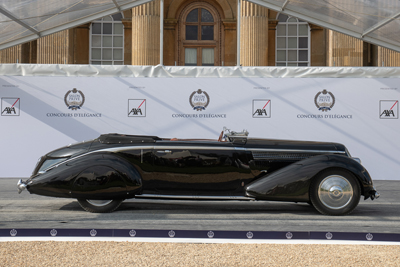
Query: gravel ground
(50,253)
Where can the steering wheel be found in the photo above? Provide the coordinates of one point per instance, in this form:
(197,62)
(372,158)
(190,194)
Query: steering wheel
(220,136)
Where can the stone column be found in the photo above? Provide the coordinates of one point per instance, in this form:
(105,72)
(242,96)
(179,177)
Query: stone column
(127,40)
(170,26)
(11,55)
(387,57)
(146,34)
(23,53)
(81,47)
(318,45)
(272,23)
(344,50)
(253,35)
(228,47)
(55,48)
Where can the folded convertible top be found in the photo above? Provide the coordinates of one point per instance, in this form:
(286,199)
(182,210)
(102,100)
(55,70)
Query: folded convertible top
(126,139)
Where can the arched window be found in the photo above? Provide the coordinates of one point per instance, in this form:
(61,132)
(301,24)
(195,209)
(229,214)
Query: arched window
(107,41)
(292,42)
(199,33)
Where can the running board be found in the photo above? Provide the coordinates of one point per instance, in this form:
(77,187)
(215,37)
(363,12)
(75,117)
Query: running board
(195,197)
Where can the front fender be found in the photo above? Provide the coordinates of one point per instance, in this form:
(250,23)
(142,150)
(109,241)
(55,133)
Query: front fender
(292,183)
(90,176)
(108,177)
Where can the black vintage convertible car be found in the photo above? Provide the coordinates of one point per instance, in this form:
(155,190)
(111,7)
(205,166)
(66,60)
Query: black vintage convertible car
(103,172)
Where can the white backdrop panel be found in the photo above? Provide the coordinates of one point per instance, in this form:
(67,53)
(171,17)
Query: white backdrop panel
(36,119)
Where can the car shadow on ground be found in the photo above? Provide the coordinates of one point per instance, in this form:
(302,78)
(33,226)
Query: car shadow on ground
(162,207)
(205,207)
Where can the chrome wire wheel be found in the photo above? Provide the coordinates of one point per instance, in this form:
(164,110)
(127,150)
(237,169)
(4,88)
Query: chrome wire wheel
(99,203)
(99,206)
(335,192)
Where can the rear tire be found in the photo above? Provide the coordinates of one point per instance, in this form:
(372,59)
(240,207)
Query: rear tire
(335,192)
(99,206)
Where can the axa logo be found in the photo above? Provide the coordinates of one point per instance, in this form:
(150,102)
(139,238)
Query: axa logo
(389,109)
(137,108)
(10,106)
(261,108)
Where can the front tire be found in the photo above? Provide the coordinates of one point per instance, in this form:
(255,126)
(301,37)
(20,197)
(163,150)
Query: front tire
(335,192)
(99,206)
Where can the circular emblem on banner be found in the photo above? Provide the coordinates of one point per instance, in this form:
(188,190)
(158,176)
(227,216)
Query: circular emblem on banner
(13,232)
(74,99)
(93,232)
(199,100)
(329,235)
(289,235)
(249,235)
(171,233)
(210,234)
(369,236)
(324,100)
(53,232)
(132,233)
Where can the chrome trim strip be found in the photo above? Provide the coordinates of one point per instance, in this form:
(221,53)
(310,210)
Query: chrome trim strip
(296,150)
(195,197)
(194,147)
(122,148)
(252,149)
(114,149)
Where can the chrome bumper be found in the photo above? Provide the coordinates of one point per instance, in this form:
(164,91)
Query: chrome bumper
(21,185)
(374,194)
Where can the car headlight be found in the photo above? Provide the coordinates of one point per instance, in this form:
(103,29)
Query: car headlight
(50,163)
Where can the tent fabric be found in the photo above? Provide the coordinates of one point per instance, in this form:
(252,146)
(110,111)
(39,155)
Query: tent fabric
(197,72)
(24,21)
(377,22)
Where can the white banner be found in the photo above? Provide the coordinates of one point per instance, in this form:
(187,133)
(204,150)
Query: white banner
(40,114)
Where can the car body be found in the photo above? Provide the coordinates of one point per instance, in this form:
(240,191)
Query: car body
(101,173)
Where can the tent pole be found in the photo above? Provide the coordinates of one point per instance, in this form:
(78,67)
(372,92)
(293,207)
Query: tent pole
(161,32)
(238,34)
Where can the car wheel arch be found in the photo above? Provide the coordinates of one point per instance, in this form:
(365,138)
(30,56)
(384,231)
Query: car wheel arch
(355,174)
(128,174)
(335,191)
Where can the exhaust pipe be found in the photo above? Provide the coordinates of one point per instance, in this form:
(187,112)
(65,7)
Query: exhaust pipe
(21,186)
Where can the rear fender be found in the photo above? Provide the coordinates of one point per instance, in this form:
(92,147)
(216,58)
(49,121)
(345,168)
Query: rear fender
(292,183)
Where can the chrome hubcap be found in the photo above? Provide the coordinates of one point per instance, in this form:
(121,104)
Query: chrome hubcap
(335,192)
(98,203)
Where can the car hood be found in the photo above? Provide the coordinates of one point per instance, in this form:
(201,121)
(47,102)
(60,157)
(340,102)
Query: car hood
(294,145)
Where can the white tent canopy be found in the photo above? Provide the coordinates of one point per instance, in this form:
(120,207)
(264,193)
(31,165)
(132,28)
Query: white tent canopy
(22,21)
(376,22)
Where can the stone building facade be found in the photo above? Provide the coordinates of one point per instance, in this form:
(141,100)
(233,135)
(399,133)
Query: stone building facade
(200,33)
